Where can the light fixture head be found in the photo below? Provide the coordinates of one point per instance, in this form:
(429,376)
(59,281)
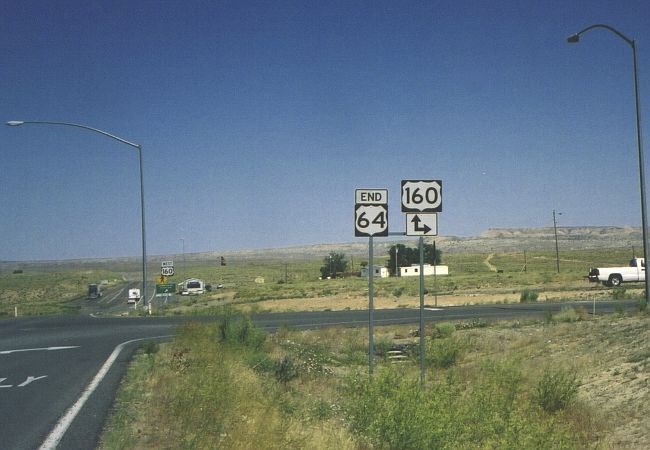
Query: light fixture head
(574,38)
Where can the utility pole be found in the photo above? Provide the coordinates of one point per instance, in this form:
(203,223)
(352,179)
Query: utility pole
(557,251)
(396,264)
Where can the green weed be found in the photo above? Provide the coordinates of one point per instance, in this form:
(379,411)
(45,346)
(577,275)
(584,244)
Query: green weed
(443,353)
(395,412)
(443,330)
(285,370)
(567,314)
(150,347)
(398,291)
(557,389)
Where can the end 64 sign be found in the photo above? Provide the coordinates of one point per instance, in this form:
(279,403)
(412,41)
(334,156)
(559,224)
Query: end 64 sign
(371,212)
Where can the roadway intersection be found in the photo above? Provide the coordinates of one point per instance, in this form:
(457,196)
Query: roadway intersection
(47,364)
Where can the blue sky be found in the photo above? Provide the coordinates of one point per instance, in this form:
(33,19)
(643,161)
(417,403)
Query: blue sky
(259,119)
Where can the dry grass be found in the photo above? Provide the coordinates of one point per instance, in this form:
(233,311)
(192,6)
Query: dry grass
(346,301)
(611,358)
(174,408)
(203,395)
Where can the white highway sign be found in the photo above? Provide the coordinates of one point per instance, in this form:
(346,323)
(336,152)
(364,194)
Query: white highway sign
(371,196)
(167,264)
(167,271)
(421,224)
(423,196)
(371,212)
(371,220)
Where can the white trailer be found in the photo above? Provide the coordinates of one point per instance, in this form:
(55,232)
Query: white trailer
(134,295)
(414,270)
(192,286)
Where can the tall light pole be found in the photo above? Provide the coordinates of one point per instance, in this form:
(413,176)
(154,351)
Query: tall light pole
(557,250)
(574,38)
(15,123)
(183,242)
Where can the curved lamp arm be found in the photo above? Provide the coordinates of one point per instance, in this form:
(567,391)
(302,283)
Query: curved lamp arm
(16,123)
(576,37)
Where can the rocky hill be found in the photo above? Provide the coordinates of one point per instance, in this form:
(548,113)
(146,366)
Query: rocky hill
(492,240)
(569,238)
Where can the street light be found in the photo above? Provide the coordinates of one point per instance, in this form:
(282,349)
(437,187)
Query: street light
(16,123)
(574,38)
(183,242)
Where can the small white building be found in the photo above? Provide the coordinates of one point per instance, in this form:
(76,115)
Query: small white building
(414,270)
(379,271)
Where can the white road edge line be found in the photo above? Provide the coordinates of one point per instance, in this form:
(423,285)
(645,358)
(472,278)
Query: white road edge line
(49,349)
(65,421)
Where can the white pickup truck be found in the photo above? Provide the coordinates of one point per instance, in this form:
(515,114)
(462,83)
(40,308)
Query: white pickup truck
(614,276)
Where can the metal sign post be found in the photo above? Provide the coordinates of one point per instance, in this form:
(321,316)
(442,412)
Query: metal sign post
(371,219)
(371,309)
(435,274)
(421,200)
(422,337)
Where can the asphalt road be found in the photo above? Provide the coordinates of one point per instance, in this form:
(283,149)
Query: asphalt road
(47,364)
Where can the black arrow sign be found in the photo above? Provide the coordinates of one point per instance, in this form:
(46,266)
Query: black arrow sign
(416,221)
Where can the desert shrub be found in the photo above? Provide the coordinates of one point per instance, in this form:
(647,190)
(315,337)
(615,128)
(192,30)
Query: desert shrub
(556,389)
(443,330)
(548,317)
(393,411)
(240,330)
(150,347)
(443,353)
(285,370)
(225,325)
(528,295)
(492,401)
(260,362)
(398,291)
(618,293)
(567,314)
(248,334)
